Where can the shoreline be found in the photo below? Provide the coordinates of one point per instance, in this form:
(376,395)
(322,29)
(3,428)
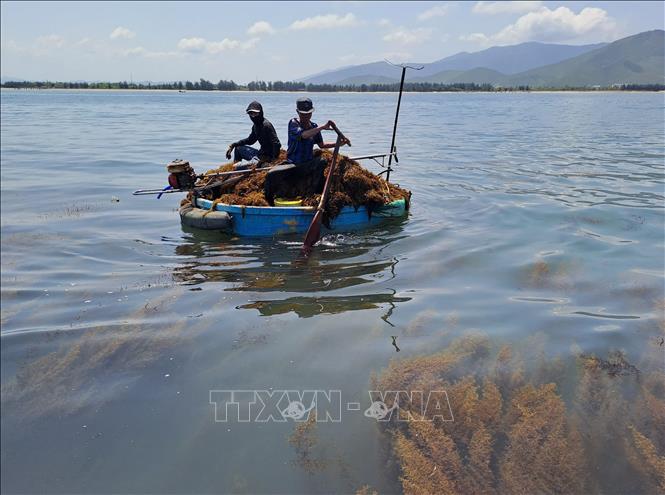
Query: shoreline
(117,90)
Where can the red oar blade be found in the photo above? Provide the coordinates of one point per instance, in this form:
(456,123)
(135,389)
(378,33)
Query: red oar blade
(313,233)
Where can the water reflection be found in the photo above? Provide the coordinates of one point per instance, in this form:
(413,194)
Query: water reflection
(265,275)
(274,265)
(306,307)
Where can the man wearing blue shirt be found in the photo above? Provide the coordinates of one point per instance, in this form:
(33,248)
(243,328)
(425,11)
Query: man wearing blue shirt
(303,134)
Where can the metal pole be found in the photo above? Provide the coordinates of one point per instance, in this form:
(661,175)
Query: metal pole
(399,101)
(392,144)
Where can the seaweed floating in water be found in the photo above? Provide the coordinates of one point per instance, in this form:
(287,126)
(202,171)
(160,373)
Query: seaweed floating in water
(513,431)
(643,456)
(615,365)
(303,439)
(89,370)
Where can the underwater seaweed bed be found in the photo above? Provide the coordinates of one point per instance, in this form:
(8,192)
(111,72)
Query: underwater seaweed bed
(352,185)
(525,423)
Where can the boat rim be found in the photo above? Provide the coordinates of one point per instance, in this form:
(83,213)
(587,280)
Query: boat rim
(292,210)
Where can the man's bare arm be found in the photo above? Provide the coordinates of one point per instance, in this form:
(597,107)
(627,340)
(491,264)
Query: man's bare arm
(310,133)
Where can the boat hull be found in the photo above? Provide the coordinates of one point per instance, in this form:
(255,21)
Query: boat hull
(270,221)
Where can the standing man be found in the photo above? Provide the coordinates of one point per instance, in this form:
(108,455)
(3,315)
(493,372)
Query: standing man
(303,134)
(263,132)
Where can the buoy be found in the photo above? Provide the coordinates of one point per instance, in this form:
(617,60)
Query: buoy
(204,219)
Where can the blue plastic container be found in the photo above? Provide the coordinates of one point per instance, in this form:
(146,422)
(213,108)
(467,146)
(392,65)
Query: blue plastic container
(270,220)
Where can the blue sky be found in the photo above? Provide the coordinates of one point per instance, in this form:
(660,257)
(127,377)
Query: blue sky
(243,41)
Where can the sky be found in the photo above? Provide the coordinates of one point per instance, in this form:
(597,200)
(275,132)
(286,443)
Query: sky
(245,41)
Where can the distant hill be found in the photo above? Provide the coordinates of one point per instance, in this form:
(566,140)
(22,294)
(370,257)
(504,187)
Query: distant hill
(367,79)
(444,77)
(479,75)
(508,59)
(503,59)
(638,59)
(374,72)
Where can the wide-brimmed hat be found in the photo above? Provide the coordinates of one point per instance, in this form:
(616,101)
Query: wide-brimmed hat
(304,105)
(254,107)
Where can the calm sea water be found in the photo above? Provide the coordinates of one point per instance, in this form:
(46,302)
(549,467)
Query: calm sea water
(531,214)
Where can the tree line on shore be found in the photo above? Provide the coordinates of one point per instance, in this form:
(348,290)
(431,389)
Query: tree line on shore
(224,85)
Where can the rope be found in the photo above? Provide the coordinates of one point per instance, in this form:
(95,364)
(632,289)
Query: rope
(213,206)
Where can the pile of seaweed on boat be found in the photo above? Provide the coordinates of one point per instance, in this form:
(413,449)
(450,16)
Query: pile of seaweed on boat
(352,185)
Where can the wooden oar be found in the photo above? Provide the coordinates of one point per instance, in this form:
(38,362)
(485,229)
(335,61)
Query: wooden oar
(314,230)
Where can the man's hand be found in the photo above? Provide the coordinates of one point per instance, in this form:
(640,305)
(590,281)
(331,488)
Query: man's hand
(228,152)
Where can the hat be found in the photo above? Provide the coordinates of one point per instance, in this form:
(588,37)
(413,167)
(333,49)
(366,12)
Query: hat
(254,107)
(304,105)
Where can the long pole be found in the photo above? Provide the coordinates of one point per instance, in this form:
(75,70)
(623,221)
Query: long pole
(392,144)
(399,101)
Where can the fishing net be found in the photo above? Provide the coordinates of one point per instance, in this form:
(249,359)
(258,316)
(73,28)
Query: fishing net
(352,185)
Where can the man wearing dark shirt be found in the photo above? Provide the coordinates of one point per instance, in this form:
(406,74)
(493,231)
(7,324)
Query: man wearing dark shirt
(263,132)
(303,134)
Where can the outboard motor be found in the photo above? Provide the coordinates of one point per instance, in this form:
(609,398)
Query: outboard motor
(181,175)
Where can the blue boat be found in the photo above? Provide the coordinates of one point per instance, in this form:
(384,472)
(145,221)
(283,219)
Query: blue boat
(262,221)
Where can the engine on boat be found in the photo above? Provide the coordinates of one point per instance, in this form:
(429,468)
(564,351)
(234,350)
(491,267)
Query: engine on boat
(181,175)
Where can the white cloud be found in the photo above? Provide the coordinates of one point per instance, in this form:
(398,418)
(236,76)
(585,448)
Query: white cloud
(215,47)
(192,44)
(438,11)
(50,41)
(559,25)
(122,32)
(83,42)
(328,21)
(397,57)
(249,44)
(260,27)
(406,36)
(200,45)
(515,7)
(479,38)
(384,22)
(139,51)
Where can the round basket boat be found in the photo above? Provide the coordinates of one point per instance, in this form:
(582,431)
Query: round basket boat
(271,220)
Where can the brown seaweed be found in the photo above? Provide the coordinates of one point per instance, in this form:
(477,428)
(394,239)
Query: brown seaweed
(73,376)
(643,456)
(303,440)
(513,431)
(352,185)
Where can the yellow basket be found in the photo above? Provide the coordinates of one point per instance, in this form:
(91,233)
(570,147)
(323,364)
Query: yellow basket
(288,202)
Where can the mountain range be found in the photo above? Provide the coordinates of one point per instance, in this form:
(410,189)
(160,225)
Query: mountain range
(637,59)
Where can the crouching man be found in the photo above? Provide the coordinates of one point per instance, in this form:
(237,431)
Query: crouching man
(263,132)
